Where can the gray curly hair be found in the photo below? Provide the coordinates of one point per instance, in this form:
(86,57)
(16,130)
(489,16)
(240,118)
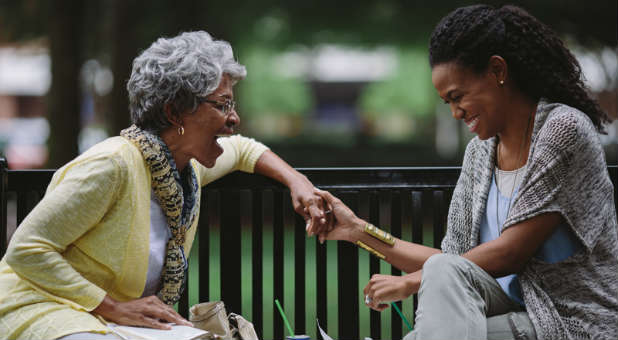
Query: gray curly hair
(177,71)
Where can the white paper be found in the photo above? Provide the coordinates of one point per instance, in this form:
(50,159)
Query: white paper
(324,335)
(177,332)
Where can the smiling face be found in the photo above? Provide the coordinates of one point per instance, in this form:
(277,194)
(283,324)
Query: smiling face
(206,124)
(477,99)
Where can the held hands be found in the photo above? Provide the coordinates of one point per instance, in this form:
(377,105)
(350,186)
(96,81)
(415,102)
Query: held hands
(310,206)
(145,312)
(344,222)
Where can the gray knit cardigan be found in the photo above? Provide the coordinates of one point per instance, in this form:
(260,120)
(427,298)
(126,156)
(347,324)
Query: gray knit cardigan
(576,298)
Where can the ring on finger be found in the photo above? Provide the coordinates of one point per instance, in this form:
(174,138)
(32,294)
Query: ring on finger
(367,299)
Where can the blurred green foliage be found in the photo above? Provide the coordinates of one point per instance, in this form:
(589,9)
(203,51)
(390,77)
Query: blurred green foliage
(407,91)
(280,109)
(266,90)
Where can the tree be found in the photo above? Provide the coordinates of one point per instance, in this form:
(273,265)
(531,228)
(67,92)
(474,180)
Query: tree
(123,51)
(64,97)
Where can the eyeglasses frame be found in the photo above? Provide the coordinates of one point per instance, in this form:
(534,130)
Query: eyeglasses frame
(228,106)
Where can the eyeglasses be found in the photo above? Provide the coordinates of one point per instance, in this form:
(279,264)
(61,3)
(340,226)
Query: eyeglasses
(226,107)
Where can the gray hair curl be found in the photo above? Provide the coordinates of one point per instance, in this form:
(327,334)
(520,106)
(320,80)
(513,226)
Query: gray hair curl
(177,71)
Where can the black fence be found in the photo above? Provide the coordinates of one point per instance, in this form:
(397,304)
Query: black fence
(411,203)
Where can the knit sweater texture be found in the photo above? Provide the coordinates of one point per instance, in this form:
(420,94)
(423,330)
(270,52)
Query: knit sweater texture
(576,298)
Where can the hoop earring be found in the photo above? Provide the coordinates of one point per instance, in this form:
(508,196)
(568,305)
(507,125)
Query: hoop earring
(501,82)
(181,130)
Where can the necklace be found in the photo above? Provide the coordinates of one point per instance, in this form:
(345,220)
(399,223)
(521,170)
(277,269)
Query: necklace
(519,153)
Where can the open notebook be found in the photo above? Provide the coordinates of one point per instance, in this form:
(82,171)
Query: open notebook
(177,332)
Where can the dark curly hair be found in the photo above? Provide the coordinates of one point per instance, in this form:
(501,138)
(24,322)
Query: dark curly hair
(539,63)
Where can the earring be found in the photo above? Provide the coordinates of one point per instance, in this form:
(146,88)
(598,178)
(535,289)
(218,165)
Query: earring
(181,130)
(501,82)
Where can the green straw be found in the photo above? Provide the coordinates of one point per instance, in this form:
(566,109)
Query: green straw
(402,317)
(287,324)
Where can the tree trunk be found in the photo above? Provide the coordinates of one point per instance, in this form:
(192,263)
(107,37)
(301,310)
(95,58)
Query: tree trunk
(64,97)
(124,49)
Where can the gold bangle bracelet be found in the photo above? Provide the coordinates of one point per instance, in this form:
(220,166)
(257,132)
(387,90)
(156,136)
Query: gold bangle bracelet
(371,250)
(379,234)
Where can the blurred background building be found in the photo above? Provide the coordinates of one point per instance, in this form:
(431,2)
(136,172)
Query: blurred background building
(344,85)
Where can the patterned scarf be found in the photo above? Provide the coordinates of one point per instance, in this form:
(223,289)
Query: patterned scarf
(179,206)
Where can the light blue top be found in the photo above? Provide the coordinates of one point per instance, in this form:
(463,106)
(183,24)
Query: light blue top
(560,245)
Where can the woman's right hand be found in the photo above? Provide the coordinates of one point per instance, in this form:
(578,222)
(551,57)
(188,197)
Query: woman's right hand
(346,223)
(145,312)
(383,289)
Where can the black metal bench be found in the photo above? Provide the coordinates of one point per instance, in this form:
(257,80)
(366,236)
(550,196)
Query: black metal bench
(253,211)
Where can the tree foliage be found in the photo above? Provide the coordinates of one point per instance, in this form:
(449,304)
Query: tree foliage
(116,30)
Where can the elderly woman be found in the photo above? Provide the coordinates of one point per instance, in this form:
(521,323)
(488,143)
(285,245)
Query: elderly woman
(112,234)
(531,249)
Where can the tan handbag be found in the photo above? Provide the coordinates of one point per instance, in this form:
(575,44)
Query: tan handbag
(241,328)
(212,317)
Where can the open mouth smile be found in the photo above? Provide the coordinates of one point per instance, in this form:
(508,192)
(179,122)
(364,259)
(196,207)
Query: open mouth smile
(472,123)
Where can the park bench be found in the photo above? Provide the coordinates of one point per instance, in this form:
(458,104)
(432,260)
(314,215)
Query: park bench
(248,230)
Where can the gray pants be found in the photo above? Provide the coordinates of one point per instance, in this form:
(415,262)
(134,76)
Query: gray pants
(459,300)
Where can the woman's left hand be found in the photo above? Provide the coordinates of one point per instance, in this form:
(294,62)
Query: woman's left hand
(306,202)
(384,289)
(310,206)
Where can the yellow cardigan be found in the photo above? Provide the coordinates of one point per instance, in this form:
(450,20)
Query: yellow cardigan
(89,236)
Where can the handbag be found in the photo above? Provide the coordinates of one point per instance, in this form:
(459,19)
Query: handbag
(241,328)
(212,317)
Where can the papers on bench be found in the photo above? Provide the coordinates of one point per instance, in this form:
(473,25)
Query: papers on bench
(322,333)
(177,332)
(326,336)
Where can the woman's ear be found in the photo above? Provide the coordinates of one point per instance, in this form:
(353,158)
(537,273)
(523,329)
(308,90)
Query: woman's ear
(171,115)
(498,69)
